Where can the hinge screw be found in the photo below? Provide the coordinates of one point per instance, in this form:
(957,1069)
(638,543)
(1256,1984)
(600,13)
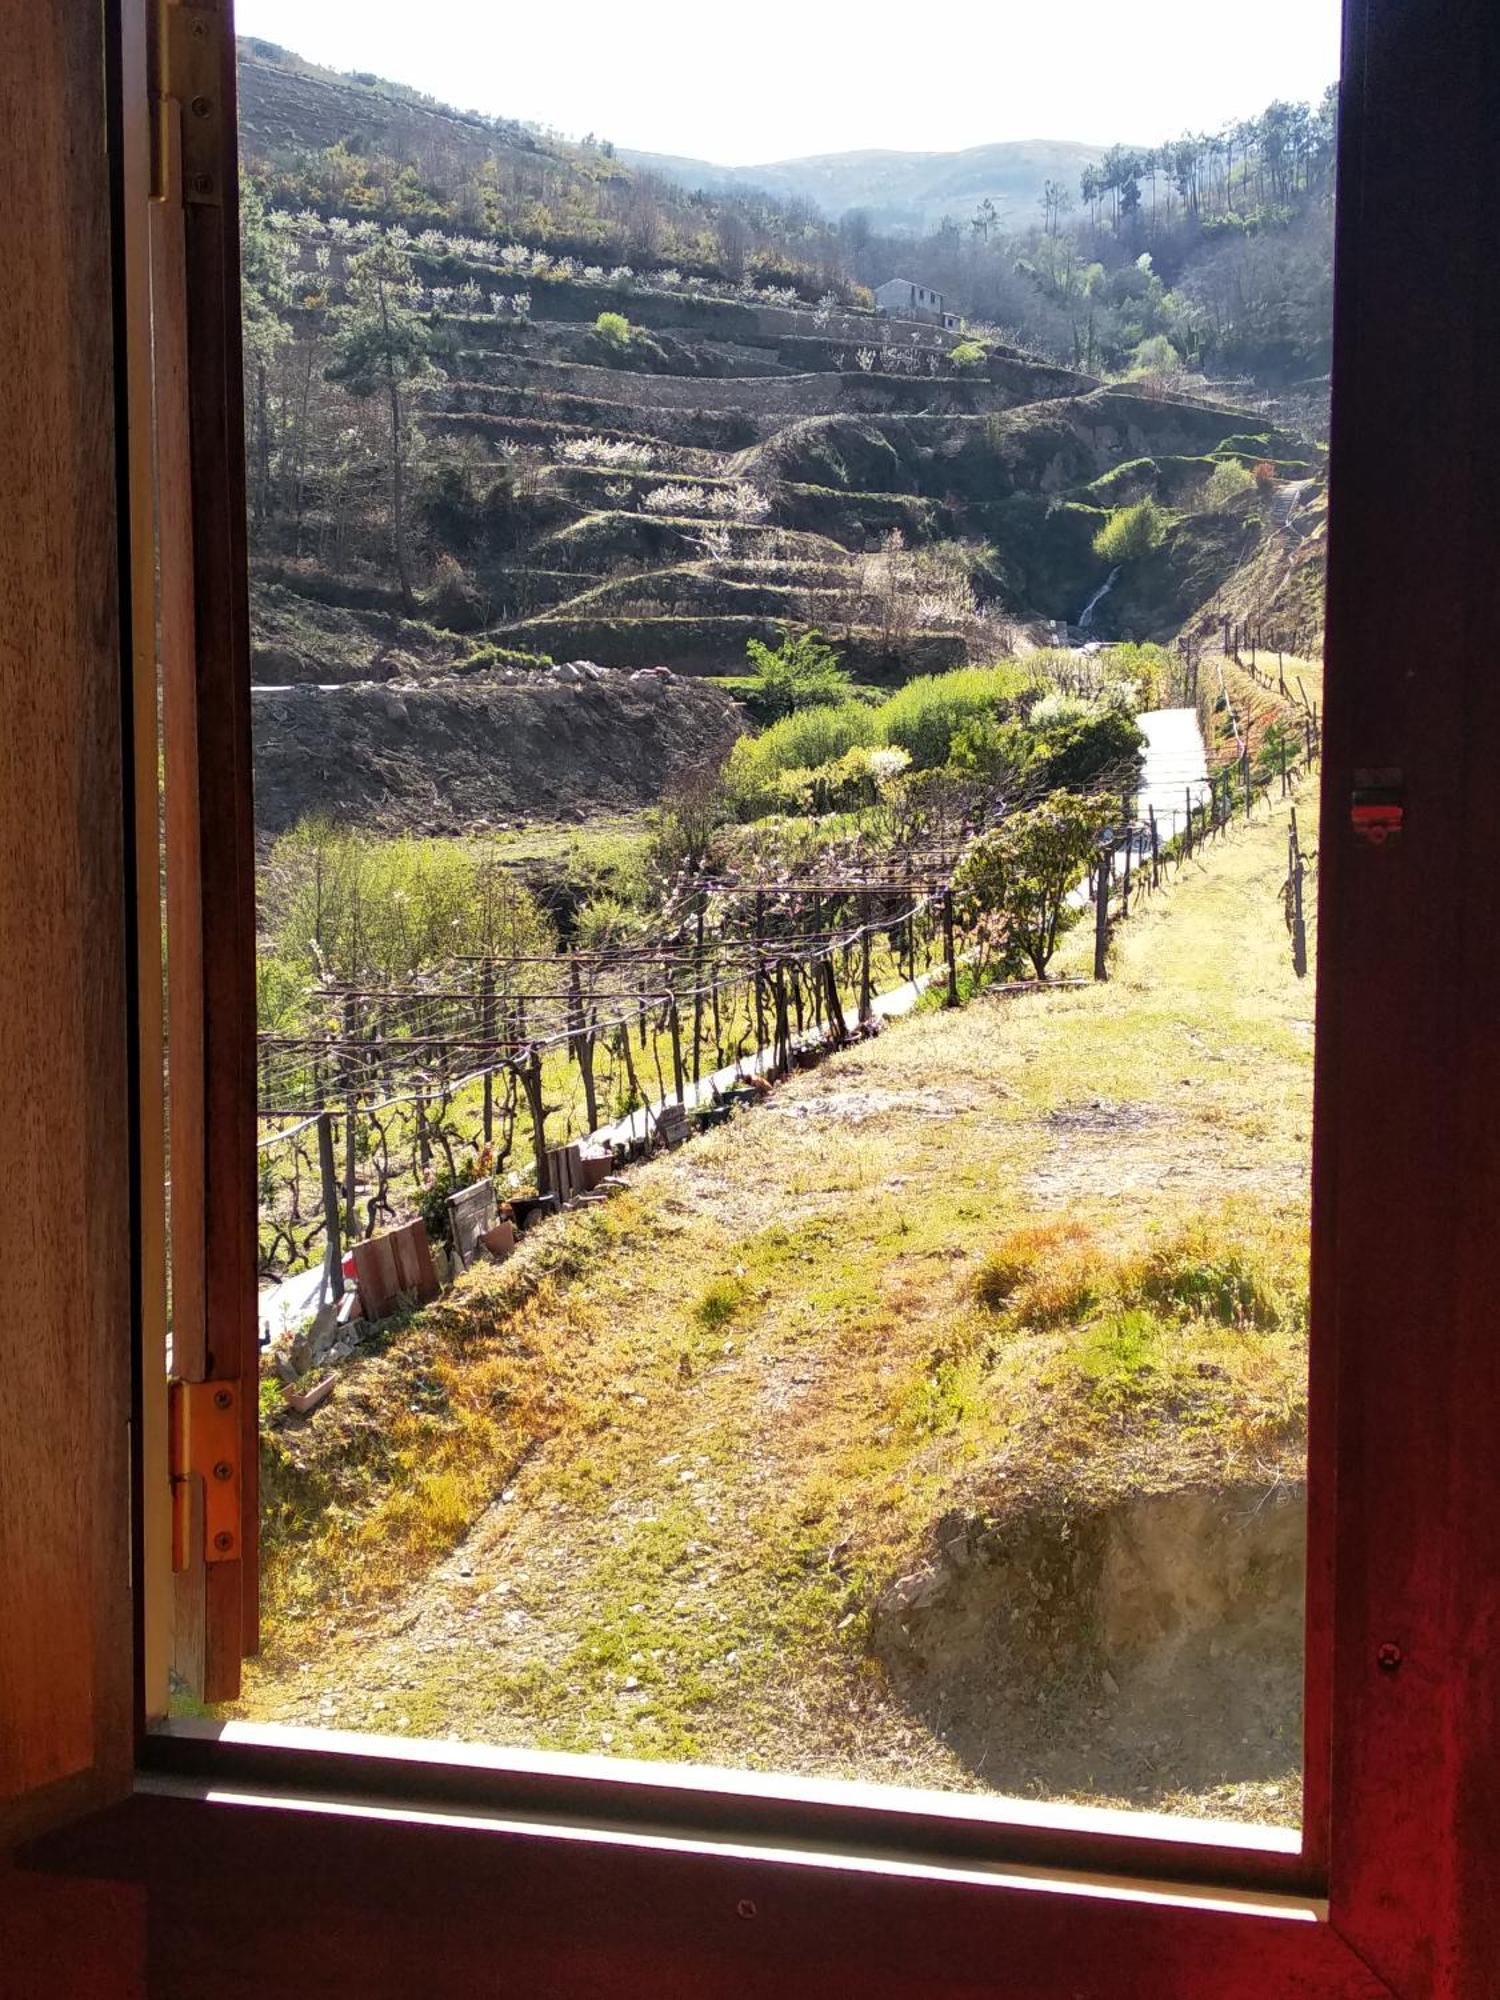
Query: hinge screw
(223,1540)
(1388,1659)
(745,1908)
(201,107)
(222,1397)
(198,30)
(203,183)
(223,1470)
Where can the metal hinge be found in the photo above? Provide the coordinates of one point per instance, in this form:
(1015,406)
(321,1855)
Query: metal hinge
(203,1428)
(187,106)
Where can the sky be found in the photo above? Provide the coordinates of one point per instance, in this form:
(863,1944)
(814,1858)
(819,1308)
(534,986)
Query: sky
(779,79)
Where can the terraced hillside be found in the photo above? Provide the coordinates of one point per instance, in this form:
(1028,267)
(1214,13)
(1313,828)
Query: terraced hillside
(641,468)
(699,487)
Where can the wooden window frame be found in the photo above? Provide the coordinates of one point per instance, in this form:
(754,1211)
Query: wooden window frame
(607,1877)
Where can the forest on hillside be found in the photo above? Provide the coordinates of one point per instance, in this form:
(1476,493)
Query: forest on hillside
(1214,250)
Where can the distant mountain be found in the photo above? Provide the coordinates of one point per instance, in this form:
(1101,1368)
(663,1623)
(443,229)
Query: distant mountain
(900,190)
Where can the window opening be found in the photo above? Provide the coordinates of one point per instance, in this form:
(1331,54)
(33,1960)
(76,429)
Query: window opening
(787,873)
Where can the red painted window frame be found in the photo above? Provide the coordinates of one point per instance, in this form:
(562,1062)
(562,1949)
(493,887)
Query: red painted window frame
(600,1879)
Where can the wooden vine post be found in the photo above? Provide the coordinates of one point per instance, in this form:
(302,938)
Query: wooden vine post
(679,1077)
(1295,913)
(760,972)
(950,953)
(351,1108)
(866,1011)
(698,995)
(333,1255)
(487,1032)
(581,1040)
(1101,917)
(532,1077)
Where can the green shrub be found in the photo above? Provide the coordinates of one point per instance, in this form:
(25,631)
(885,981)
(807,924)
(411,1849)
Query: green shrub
(1131,532)
(969,354)
(1101,748)
(924,716)
(855,780)
(1155,355)
(799,742)
(441,1185)
(614,327)
(1228,480)
(802,672)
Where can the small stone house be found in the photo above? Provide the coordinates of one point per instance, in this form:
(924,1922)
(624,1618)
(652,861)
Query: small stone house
(899,298)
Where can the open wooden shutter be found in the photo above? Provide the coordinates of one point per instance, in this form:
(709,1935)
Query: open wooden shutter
(66,1738)
(209,841)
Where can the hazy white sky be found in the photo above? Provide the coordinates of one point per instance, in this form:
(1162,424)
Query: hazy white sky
(779,78)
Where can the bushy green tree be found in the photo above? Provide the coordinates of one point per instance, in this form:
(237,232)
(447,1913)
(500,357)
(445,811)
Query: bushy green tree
(381,346)
(969,354)
(615,328)
(804,671)
(1019,877)
(1131,532)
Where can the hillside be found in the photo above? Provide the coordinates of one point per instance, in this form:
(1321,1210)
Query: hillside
(896,190)
(970,1457)
(638,464)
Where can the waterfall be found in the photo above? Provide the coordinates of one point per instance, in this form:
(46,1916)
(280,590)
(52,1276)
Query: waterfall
(1086,616)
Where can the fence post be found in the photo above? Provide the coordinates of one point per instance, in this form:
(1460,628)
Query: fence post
(1129,856)
(679,1076)
(487,1033)
(583,1045)
(1101,916)
(1155,849)
(1249,785)
(533,1081)
(351,1106)
(698,997)
(1187,837)
(760,974)
(865,1010)
(333,1255)
(1299,924)
(950,956)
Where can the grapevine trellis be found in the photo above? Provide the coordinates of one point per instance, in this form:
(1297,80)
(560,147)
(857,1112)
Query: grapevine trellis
(504,1058)
(500,1059)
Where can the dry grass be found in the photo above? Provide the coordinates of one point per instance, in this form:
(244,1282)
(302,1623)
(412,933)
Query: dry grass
(638,1490)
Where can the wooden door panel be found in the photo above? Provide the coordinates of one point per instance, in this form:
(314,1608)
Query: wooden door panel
(65,1086)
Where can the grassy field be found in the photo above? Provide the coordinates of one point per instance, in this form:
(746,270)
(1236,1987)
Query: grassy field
(644,1488)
